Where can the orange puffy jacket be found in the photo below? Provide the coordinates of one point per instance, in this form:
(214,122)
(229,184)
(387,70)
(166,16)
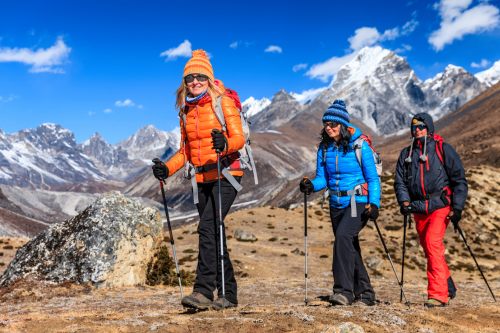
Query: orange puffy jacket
(196,139)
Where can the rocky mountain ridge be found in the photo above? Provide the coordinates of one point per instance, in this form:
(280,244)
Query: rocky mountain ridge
(48,157)
(382,91)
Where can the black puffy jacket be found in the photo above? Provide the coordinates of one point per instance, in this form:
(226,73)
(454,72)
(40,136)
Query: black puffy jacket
(423,182)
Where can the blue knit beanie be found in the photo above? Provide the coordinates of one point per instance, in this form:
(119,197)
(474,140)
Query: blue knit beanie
(337,112)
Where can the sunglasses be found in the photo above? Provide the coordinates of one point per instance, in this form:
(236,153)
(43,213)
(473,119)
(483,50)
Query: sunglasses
(421,127)
(190,78)
(331,124)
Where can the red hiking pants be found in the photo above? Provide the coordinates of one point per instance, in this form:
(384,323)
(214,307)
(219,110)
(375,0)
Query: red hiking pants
(431,229)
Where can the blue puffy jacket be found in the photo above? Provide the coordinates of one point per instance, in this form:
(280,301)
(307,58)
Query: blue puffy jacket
(342,172)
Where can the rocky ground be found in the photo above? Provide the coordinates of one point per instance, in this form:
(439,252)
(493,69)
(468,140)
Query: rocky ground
(270,273)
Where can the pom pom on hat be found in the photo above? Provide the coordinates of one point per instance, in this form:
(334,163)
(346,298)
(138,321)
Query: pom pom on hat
(337,112)
(199,64)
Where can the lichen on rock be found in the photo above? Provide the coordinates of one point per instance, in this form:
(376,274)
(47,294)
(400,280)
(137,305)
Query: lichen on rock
(109,244)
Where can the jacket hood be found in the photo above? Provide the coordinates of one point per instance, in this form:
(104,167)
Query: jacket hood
(427,120)
(355,132)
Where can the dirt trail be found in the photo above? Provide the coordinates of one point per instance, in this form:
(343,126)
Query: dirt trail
(265,306)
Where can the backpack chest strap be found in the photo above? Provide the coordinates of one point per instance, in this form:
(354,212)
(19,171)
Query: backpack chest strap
(227,161)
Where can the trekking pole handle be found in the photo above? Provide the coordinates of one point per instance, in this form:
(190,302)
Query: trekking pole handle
(157,161)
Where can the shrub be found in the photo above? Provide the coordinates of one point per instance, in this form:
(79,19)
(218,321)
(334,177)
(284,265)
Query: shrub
(161,270)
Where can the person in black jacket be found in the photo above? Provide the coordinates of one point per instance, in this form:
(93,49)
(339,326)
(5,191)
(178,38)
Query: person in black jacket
(430,183)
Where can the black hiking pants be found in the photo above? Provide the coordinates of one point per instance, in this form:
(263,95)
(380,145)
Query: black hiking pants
(349,273)
(208,271)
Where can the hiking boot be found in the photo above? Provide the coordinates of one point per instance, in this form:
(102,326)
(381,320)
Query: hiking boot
(339,299)
(452,289)
(223,303)
(196,301)
(434,303)
(366,300)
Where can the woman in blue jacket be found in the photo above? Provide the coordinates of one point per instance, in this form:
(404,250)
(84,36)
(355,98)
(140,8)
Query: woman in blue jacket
(354,198)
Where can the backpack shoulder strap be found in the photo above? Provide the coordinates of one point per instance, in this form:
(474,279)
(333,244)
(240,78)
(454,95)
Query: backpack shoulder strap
(358,144)
(439,148)
(219,113)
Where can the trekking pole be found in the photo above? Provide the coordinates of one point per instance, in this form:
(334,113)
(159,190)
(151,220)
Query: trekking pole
(403,258)
(390,260)
(305,247)
(221,229)
(174,252)
(473,257)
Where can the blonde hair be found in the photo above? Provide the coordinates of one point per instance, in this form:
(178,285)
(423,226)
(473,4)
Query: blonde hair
(213,91)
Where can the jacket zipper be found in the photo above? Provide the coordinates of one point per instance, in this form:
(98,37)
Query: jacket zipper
(198,134)
(337,173)
(422,183)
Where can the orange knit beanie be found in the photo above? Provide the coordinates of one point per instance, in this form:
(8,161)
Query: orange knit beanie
(199,64)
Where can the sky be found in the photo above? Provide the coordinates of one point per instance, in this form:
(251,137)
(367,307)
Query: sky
(113,66)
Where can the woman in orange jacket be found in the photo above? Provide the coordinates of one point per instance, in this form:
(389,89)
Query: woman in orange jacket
(202,137)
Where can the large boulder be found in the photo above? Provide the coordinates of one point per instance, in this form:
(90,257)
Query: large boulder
(109,244)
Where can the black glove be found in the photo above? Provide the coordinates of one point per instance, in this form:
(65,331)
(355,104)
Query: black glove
(370,212)
(456,217)
(405,210)
(445,199)
(219,140)
(306,186)
(160,170)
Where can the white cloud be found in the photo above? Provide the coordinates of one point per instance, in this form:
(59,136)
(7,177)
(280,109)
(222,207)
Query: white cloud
(240,43)
(41,60)
(108,110)
(182,50)
(329,68)
(458,21)
(307,95)
(368,36)
(403,48)
(364,36)
(482,64)
(273,49)
(128,103)
(125,103)
(450,9)
(299,67)
(409,27)
(7,99)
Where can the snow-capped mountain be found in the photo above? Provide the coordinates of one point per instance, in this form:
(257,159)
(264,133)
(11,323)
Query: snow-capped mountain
(282,108)
(491,75)
(48,157)
(149,142)
(382,90)
(449,90)
(44,157)
(253,106)
(106,154)
(379,88)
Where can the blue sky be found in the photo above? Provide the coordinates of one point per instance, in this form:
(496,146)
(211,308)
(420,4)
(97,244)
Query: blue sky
(113,66)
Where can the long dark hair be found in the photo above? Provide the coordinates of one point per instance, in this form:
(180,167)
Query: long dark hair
(345,138)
